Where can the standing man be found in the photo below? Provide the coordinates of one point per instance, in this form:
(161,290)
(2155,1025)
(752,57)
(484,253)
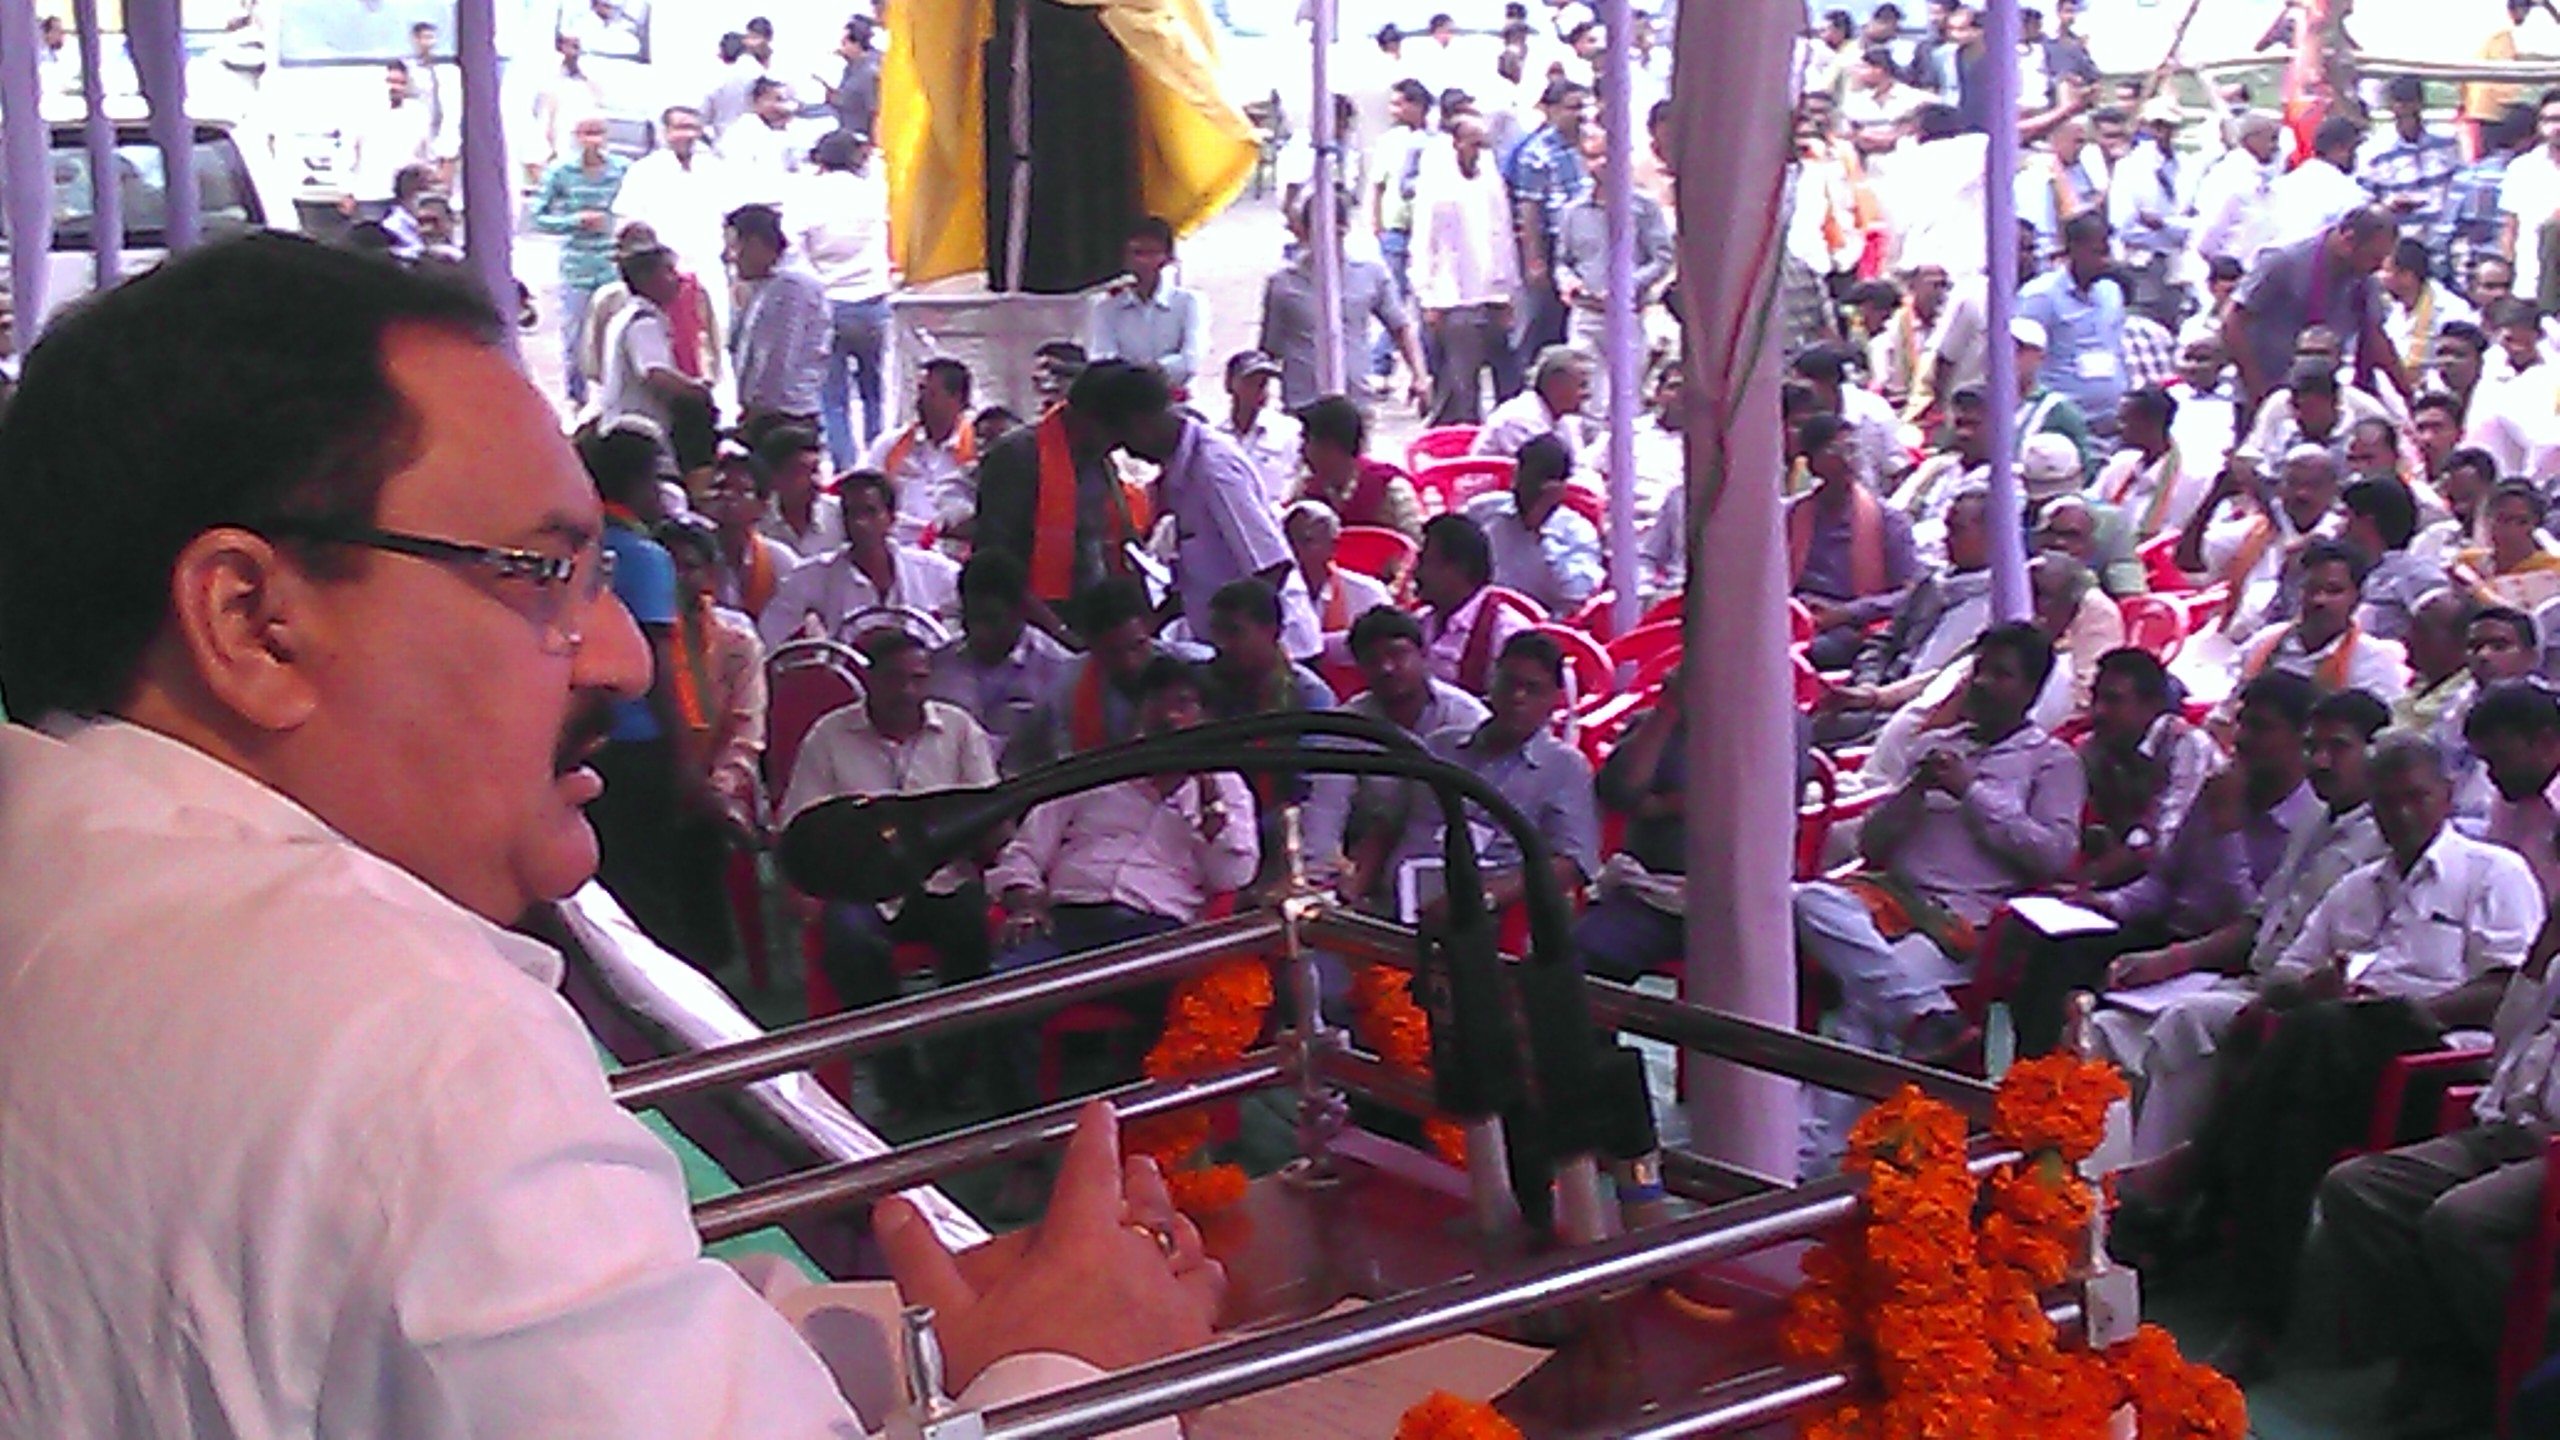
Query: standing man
(680,191)
(641,376)
(1269,436)
(758,145)
(2081,306)
(2529,197)
(577,203)
(2327,280)
(855,97)
(641,760)
(1582,261)
(1546,176)
(1395,159)
(780,348)
(1145,319)
(2151,209)
(1465,269)
(1290,332)
(842,215)
(2234,201)
(2408,167)
(438,86)
(2315,194)
(1048,496)
(383,143)
(932,464)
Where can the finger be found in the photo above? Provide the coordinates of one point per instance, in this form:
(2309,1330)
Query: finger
(1147,1199)
(1190,1252)
(925,1271)
(1205,1285)
(1087,1199)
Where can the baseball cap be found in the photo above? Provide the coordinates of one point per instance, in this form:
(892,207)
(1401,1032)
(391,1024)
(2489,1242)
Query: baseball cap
(1246,363)
(2027,331)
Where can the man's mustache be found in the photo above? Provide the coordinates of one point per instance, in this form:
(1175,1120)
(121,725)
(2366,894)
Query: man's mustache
(589,726)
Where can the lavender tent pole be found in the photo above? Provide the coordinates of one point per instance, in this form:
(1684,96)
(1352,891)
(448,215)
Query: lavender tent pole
(1622,335)
(106,202)
(2006,514)
(488,206)
(28,187)
(159,46)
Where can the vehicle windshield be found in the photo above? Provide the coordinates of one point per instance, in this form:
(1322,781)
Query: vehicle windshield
(225,199)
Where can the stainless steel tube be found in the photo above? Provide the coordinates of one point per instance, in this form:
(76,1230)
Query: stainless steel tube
(1313,1347)
(998,997)
(1371,1078)
(1767,1047)
(832,1187)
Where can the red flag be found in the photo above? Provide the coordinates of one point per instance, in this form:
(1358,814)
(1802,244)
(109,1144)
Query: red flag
(2306,82)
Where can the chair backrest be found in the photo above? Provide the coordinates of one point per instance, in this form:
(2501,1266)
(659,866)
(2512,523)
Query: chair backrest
(804,681)
(1455,482)
(1652,649)
(1810,686)
(2153,624)
(1378,551)
(1591,505)
(1674,606)
(1799,621)
(1594,616)
(1446,442)
(2159,567)
(1590,677)
(1816,816)
(922,624)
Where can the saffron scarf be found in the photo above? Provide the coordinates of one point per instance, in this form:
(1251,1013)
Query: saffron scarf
(2329,676)
(692,678)
(1087,729)
(757,579)
(1337,606)
(2235,574)
(966,451)
(1866,540)
(2422,330)
(1053,549)
(2165,472)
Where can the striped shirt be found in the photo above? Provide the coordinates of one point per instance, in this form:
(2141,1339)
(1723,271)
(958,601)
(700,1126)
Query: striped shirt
(586,256)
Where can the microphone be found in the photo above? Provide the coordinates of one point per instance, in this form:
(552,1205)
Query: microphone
(879,847)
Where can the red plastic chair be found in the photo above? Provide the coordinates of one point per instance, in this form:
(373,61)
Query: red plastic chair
(1091,1017)
(1592,616)
(1374,550)
(1591,505)
(1800,627)
(1669,607)
(1452,483)
(2158,566)
(2154,624)
(1447,442)
(1652,649)
(1810,684)
(1814,818)
(804,681)
(1590,675)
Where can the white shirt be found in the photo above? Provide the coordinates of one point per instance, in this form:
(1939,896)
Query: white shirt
(684,204)
(2376,666)
(934,485)
(2517,419)
(1273,443)
(382,142)
(2222,541)
(762,161)
(1126,844)
(2310,198)
(825,533)
(843,223)
(833,590)
(1450,637)
(1462,252)
(1938,194)
(843,755)
(2530,193)
(637,344)
(1523,418)
(2467,909)
(371,1181)
(2235,207)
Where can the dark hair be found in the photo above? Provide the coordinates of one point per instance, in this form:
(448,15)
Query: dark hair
(837,149)
(2139,668)
(2330,552)
(1377,626)
(996,415)
(2365,221)
(423,27)
(1824,364)
(2313,378)
(1115,601)
(1875,292)
(238,384)
(1819,430)
(759,222)
(1559,91)
(1113,393)
(1937,121)
(2085,226)
(645,263)
(952,375)
(2509,313)
(2153,403)
(732,47)
(412,181)
(885,643)
(2389,505)
(1414,91)
(1156,228)
(872,480)
(2527,634)
(1251,599)
(1334,420)
(2412,255)
(2465,331)
(760,27)
(2439,401)
(1796,399)
(1542,459)
(693,432)
(2283,694)
(1169,672)
(688,538)
(994,575)
(783,442)
(2335,133)
(2029,646)
(765,85)
(2476,460)
(1462,542)
(1968,397)
(2516,707)
(2518,490)
(1064,353)
(1539,649)
(2358,710)
(622,462)
(2400,754)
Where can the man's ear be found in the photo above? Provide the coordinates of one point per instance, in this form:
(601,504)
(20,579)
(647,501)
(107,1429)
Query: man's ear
(245,616)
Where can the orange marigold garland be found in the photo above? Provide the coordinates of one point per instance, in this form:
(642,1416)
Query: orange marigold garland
(1385,1017)
(1941,1289)
(1443,1416)
(1214,1018)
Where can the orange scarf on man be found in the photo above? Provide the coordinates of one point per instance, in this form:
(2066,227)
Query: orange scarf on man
(758,580)
(1086,727)
(1053,549)
(2235,574)
(966,451)
(1866,540)
(2329,676)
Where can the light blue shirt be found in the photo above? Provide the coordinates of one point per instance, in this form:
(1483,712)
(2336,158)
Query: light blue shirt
(1169,330)
(1558,565)
(2084,340)
(2148,204)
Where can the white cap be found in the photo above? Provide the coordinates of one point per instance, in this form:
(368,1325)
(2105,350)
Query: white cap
(2027,331)
(2048,461)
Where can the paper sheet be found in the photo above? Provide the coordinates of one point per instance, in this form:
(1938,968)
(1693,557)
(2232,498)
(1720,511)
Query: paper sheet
(2153,999)
(2059,919)
(1367,1400)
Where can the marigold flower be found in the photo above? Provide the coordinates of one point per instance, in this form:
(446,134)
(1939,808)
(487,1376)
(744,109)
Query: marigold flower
(1443,1416)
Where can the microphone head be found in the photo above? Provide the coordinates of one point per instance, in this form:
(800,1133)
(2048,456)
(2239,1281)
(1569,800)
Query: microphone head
(859,848)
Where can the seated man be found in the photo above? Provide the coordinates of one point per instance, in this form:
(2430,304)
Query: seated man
(752,563)
(2326,646)
(1933,485)
(841,595)
(1339,597)
(2248,549)
(2145,766)
(804,517)
(1000,668)
(1542,547)
(2206,875)
(1515,751)
(1096,703)
(2514,567)
(1991,811)
(1551,405)
(1850,558)
(898,741)
(2094,534)
(2146,479)
(1351,821)
(1936,622)
(1875,431)
(1637,925)
(1362,489)
(2423,941)
(2042,410)
(1467,629)
(2381,519)
(932,464)
(1249,674)
(2070,611)
(2440,685)
(1137,858)
(2313,408)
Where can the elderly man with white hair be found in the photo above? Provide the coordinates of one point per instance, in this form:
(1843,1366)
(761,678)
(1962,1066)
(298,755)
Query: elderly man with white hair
(1336,595)
(2248,542)
(1551,405)
(2234,198)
